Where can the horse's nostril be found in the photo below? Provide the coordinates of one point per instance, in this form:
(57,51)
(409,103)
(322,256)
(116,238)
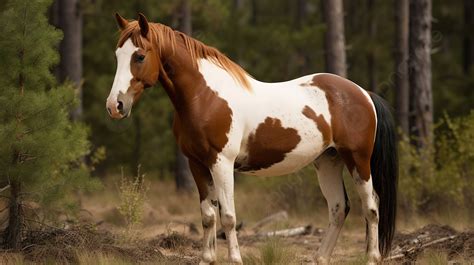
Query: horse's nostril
(120,106)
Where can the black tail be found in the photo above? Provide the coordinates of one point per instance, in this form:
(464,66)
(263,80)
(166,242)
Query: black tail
(384,166)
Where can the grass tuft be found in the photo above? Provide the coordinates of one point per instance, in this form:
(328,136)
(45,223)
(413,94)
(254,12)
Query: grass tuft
(271,252)
(86,258)
(433,257)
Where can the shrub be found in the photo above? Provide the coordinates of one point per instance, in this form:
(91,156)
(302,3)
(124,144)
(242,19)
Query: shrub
(132,199)
(441,175)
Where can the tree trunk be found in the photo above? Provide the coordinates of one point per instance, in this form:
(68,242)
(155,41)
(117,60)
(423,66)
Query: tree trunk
(401,63)
(237,19)
(468,49)
(254,15)
(371,32)
(185,15)
(420,71)
(13,231)
(183,176)
(69,20)
(334,43)
(301,14)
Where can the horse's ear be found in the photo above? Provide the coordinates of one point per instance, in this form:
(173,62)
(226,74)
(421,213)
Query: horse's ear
(143,22)
(121,22)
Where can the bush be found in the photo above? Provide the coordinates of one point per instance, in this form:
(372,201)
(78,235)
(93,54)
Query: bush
(440,176)
(132,198)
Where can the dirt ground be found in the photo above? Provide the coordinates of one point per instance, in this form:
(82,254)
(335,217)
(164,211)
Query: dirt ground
(170,233)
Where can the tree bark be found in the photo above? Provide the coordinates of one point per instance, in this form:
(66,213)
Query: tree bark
(254,15)
(13,230)
(301,13)
(69,20)
(183,176)
(371,32)
(468,47)
(334,43)
(420,71)
(401,63)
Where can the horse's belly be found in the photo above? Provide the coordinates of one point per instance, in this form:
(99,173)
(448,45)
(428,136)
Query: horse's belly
(290,164)
(270,159)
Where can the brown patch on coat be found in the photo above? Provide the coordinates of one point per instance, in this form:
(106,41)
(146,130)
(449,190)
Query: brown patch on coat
(269,144)
(202,119)
(353,121)
(321,124)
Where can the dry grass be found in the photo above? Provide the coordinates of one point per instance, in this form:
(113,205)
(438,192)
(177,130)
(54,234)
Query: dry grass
(167,215)
(12,259)
(272,252)
(432,257)
(87,258)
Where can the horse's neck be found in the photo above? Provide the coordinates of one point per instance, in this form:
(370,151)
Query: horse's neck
(182,81)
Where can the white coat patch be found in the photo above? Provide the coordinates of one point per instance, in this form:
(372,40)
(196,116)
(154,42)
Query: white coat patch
(123,76)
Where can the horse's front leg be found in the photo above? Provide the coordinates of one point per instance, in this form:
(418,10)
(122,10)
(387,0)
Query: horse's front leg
(223,175)
(208,197)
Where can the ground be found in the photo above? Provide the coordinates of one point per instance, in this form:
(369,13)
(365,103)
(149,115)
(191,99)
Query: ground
(170,233)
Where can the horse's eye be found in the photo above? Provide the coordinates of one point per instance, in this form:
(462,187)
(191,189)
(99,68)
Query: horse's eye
(140,58)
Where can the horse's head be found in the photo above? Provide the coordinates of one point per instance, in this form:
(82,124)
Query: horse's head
(138,64)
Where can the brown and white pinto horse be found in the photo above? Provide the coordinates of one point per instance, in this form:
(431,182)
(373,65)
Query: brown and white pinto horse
(226,121)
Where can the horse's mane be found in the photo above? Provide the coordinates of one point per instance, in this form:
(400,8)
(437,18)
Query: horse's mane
(164,36)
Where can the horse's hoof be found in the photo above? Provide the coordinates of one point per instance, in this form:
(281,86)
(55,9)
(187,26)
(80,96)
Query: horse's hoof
(236,260)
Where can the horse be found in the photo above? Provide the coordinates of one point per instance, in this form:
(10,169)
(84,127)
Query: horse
(225,121)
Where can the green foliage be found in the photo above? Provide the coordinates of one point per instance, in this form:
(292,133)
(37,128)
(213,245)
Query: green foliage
(442,175)
(28,45)
(41,149)
(132,199)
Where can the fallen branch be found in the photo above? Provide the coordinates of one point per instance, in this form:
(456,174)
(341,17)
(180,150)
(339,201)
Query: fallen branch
(5,188)
(279,216)
(414,249)
(302,230)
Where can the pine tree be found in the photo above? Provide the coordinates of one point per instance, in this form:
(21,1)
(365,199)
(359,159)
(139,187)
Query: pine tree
(40,148)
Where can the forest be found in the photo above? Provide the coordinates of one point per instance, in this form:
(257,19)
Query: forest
(77,187)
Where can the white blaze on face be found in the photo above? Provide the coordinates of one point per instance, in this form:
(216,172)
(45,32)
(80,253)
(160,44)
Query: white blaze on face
(123,76)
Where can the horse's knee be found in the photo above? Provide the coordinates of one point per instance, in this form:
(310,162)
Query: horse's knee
(228,221)
(208,215)
(372,215)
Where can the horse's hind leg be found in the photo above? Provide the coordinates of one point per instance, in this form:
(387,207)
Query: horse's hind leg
(370,205)
(329,168)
